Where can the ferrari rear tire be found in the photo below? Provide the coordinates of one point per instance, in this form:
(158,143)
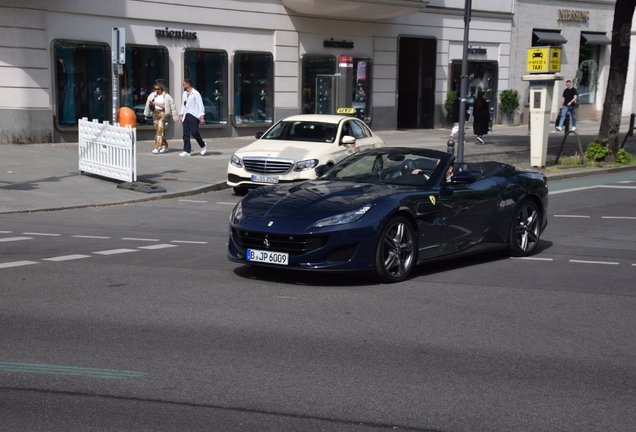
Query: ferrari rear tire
(395,253)
(524,230)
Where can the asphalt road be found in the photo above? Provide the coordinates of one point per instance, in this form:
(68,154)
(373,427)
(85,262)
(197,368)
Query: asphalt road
(131,318)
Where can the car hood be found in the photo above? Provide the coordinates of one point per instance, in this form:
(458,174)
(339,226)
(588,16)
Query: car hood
(299,206)
(296,150)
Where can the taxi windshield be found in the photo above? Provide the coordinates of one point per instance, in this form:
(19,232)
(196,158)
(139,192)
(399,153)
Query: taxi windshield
(310,131)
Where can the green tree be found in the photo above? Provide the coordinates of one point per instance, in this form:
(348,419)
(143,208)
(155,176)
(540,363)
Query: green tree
(619,59)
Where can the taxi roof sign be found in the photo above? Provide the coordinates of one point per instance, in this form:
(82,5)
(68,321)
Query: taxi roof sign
(544,59)
(349,111)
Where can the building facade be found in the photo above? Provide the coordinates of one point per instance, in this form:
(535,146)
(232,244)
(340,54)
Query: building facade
(255,62)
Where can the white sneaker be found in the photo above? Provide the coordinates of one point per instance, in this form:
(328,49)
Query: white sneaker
(573,128)
(163,149)
(559,128)
(184,154)
(155,151)
(204,149)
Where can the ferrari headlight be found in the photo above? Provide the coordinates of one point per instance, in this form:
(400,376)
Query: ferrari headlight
(237,213)
(344,218)
(306,165)
(236,161)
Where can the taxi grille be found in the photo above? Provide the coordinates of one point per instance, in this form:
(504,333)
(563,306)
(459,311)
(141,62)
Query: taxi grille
(292,244)
(267,165)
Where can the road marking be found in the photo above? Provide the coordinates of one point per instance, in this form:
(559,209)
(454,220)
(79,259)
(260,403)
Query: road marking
(572,216)
(6,232)
(159,246)
(139,239)
(42,234)
(193,201)
(67,370)
(591,187)
(626,181)
(66,257)
(17,264)
(594,262)
(618,217)
(533,258)
(115,251)
(188,242)
(90,237)
(227,203)
(8,239)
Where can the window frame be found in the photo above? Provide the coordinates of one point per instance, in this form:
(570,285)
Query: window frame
(224,93)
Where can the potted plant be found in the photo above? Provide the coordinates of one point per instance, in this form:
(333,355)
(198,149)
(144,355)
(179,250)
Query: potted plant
(509,104)
(448,107)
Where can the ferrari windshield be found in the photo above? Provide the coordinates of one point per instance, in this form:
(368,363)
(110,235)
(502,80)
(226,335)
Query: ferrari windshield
(392,165)
(310,131)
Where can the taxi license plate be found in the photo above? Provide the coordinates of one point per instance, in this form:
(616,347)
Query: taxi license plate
(280,258)
(264,179)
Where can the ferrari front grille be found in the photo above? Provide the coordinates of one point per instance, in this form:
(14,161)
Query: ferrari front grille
(263,165)
(292,244)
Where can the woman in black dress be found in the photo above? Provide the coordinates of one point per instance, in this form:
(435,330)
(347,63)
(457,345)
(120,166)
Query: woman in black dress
(481,118)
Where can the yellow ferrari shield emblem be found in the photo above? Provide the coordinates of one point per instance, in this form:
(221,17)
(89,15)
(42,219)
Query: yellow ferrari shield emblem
(432,198)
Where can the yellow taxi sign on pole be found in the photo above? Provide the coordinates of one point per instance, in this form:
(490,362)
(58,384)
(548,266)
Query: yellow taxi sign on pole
(544,59)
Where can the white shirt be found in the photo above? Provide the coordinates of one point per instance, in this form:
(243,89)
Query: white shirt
(161,100)
(192,104)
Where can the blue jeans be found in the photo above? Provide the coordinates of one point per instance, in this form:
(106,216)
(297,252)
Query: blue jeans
(564,112)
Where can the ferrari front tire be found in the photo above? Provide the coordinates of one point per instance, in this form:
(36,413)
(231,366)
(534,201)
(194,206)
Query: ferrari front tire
(524,230)
(395,253)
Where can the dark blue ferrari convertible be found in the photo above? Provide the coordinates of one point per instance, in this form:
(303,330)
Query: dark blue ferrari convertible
(388,210)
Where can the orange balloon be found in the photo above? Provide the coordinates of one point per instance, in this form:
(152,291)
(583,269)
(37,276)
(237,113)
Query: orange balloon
(126,116)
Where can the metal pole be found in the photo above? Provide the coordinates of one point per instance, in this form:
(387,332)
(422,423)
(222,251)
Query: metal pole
(464,84)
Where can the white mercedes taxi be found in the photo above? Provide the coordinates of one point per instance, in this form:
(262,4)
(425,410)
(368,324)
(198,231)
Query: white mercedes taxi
(291,149)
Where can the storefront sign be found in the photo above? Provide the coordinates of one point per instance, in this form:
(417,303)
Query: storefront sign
(479,50)
(573,15)
(544,59)
(174,34)
(338,44)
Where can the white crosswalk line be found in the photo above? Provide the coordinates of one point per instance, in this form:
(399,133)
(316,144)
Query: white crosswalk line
(159,246)
(17,264)
(9,239)
(90,237)
(66,257)
(115,251)
(140,239)
(188,242)
(41,234)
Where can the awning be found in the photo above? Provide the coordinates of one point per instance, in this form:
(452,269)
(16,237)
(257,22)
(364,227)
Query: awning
(595,39)
(550,38)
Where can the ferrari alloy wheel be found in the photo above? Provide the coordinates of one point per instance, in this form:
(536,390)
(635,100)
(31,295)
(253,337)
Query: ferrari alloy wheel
(395,253)
(525,229)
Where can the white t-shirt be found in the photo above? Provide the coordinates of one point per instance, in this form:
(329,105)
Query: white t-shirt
(161,100)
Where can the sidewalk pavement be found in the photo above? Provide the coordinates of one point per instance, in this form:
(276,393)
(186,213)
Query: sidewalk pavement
(41,177)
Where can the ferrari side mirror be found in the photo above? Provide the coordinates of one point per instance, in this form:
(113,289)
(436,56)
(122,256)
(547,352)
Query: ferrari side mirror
(322,169)
(464,177)
(258,135)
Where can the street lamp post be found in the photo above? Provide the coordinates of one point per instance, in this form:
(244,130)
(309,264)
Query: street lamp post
(464,84)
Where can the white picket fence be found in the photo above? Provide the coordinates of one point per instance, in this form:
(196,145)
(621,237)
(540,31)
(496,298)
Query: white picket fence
(107,150)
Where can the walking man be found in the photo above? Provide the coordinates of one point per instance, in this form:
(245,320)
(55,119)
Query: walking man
(192,112)
(568,104)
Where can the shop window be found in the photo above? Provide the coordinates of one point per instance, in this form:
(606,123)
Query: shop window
(144,66)
(482,77)
(361,98)
(82,82)
(586,79)
(208,71)
(312,67)
(253,92)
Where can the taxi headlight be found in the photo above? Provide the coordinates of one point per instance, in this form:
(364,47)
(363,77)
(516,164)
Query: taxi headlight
(236,161)
(344,218)
(306,165)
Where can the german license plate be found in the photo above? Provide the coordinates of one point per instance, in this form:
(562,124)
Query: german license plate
(280,258)
(265,179)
